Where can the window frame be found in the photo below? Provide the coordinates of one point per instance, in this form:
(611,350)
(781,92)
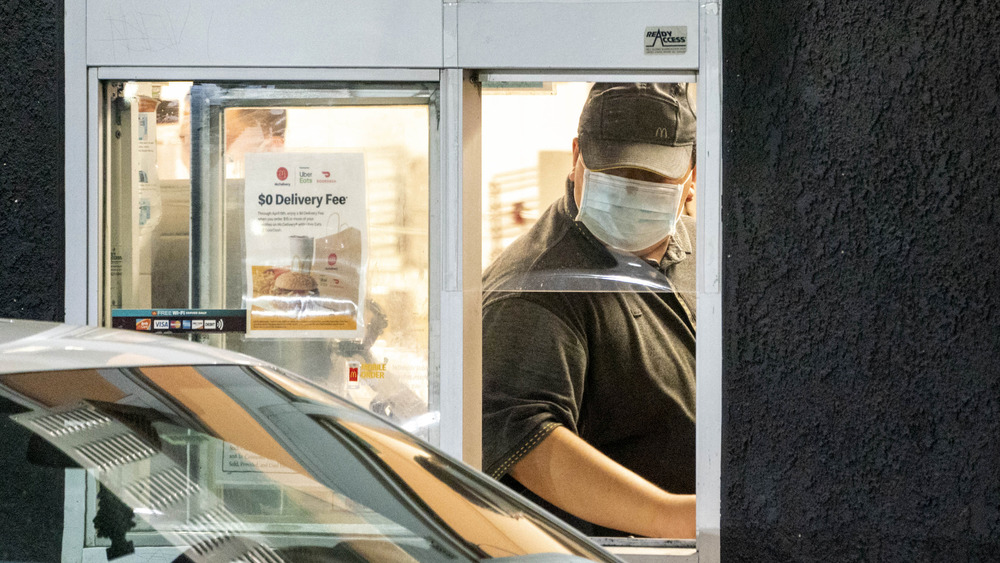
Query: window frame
(457,300)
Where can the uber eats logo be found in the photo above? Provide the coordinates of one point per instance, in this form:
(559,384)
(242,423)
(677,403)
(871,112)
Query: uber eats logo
(666,40)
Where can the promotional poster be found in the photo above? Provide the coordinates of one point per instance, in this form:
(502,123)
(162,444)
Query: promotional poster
(306,244)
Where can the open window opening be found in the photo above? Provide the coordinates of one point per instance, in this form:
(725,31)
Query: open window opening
(590,298)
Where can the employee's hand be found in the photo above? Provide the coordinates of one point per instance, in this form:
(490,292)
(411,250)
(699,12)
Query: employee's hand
(573,475)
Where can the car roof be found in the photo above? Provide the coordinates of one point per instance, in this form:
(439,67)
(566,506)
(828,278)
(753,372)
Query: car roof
(27,346)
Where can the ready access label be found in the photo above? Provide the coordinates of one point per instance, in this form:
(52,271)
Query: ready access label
(666,40)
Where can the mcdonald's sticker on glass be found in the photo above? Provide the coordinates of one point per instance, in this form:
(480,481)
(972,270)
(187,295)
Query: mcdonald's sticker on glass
(353,374)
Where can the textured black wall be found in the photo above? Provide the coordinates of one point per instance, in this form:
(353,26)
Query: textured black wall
(31,159)
(862,299)
(31,246)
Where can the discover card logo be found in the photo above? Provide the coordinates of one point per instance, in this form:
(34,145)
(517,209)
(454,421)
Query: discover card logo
(666,40)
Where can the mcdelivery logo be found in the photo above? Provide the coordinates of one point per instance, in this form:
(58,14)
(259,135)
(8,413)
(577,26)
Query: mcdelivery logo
(282,173)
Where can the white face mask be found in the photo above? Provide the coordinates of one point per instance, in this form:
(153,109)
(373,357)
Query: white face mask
(631,215)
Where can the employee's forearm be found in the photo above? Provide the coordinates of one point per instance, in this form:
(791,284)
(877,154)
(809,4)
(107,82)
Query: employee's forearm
(573,475)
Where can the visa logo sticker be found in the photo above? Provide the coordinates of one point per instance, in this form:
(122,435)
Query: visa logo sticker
(161,324)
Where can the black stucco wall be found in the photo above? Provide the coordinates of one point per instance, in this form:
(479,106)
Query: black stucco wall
(862,299)
(31,247)
(31,159)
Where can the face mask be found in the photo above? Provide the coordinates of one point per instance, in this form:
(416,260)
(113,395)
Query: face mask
(631,215)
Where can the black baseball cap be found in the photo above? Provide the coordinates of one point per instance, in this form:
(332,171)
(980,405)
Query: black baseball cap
(643,125)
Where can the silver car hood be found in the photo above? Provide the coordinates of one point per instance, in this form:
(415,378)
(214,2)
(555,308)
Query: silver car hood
(27,346)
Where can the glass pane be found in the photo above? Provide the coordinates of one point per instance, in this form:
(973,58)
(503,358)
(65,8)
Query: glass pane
(194,229)
(528,131)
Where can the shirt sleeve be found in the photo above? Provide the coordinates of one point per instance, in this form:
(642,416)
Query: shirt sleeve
(534,366)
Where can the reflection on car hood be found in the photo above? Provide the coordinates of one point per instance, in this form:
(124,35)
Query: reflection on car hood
(194,449)
(27,346)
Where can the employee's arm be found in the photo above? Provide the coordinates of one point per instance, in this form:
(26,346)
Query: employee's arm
(573,475)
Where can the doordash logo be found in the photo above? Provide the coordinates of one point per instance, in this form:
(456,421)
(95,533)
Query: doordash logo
(282,173)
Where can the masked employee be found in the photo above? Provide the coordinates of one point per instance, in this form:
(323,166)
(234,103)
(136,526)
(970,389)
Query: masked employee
(589,395)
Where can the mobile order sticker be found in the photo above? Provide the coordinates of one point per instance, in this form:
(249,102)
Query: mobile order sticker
(666,40)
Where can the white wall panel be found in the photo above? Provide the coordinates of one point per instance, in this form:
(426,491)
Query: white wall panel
(319,33)
(579,35)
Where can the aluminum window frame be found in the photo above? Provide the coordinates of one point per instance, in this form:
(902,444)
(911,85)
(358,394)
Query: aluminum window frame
(83,154)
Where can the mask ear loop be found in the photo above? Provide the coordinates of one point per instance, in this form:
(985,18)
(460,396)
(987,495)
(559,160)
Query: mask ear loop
(687,178)
(583,192)
(680,204)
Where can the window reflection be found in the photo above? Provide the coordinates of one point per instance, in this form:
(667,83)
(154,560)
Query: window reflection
(175,237)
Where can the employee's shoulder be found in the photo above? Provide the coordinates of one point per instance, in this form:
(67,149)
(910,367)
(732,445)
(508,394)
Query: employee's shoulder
(552,245)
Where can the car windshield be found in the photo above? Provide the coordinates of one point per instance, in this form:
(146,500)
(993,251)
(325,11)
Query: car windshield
(224,463)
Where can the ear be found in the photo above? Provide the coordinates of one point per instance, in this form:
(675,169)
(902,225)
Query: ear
(689,187)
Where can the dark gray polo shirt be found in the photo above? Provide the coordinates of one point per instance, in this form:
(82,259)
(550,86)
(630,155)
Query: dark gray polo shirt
(598,341)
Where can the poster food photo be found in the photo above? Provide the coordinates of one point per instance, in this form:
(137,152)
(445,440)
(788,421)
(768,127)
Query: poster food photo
(306,245)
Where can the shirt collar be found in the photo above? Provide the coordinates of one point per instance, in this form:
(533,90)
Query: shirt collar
(679,247)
